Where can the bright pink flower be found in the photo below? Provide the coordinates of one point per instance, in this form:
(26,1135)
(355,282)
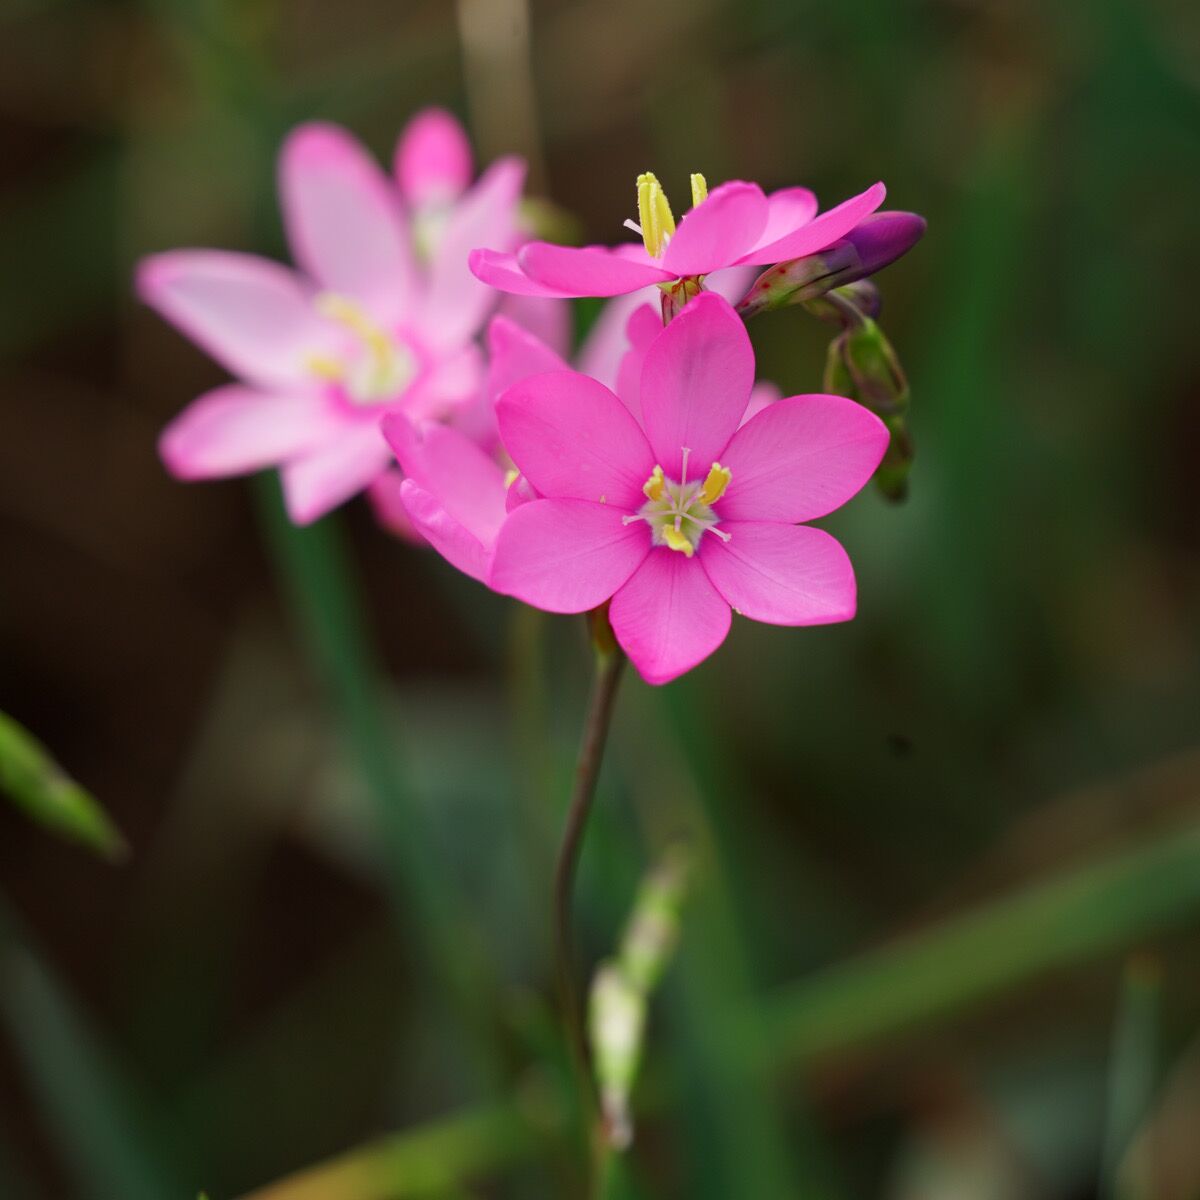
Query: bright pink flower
(381,315)
(733,225)
(452,496)
(677,514)
(450,491)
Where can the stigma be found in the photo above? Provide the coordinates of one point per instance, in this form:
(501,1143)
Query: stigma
(656,222)
(680,514)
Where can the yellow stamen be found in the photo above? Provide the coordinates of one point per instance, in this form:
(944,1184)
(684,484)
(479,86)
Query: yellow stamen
(677,540)
(652,489)
(715,483)
(699,190)
(346,312)
(510,477)
(654,213)
(324,367)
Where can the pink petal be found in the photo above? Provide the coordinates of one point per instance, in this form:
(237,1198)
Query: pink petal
(590,271)
(604,348)
(695,384)
(546,317)
(645,324)
(781,574)
(455,543)
(515,354)
(432,163)
(320,481)
(234,430)
(466,482)
(717,231)
(788,209)
(255,317)
(571,437)
(456,302)
(566,555)
(451,384)
(763,394)
(499,269)
(668,617)
(343,219)
(801,458)
(387,503)
(520,491)
(821,231)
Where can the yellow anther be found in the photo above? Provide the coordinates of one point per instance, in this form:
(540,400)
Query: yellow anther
(346,312)
(385,364)
(652,489)
(699,189)
(715,483)
(510,477)
(677,540)
(325,367)
(654,213)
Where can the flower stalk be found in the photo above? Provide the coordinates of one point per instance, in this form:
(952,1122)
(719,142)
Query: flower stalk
(610,660)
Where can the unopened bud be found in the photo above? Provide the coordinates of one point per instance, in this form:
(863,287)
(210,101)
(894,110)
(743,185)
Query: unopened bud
(862,365)
(870,246)
(616,1020)
(882,238)
(622,986)
(797,280)
(653,927)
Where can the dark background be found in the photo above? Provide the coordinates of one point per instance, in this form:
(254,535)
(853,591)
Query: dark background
(264,983)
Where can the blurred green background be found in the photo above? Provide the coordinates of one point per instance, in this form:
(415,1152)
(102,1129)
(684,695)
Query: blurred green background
(942,941)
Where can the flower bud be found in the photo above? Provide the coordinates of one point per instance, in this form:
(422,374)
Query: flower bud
(622,986)
(653,927)
(870,246)
(617,1017)
(882,238)
(862,365)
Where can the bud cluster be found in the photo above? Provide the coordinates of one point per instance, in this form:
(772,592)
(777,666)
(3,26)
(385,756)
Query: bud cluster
(861,363)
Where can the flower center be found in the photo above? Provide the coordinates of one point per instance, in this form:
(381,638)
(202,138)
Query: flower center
(655,221)
(679,514)
(378,368)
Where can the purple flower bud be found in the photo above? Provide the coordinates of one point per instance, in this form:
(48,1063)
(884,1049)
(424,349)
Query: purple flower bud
(882,238)
(869,247)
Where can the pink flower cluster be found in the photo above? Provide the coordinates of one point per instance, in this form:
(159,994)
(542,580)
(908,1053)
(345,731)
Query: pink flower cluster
(656,477)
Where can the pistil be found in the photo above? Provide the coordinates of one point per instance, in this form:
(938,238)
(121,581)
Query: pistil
(679,514)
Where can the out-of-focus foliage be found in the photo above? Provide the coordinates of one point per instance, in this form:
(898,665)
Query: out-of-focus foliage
(39,787)
(933,847)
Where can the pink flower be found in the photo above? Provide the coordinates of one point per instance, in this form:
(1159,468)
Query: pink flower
(381,315)
(733,225)
(450,493)
(451,489)
(678,514)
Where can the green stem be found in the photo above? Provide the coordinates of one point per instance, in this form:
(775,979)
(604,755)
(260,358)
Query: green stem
(609,662)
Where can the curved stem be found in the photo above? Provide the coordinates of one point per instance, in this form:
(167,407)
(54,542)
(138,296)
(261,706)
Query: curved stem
(609,661)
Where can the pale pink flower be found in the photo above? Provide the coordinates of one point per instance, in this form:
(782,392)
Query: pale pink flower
(733,225)
(380,315)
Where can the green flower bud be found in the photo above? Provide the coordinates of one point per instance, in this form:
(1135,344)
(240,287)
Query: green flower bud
(862,365)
